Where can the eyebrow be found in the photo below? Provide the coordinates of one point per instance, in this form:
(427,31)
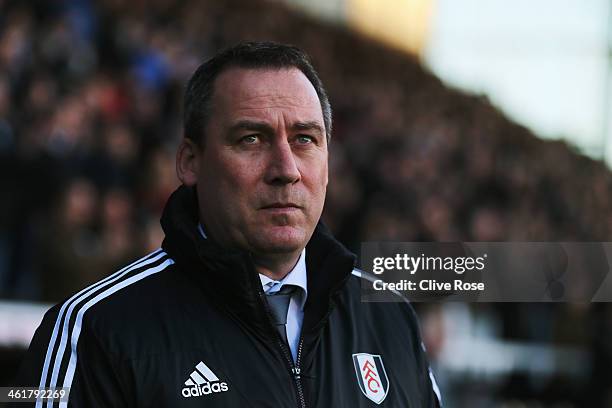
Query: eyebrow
(266,128)
(251,125)
(312,125)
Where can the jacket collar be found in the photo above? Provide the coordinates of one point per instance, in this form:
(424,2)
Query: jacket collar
(229,278)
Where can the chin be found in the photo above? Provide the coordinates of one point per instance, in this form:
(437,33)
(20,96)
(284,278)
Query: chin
(282,240)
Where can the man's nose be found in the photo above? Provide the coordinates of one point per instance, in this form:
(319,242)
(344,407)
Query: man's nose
(282,166)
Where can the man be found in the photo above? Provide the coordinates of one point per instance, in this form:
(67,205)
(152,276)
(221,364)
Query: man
(250,302)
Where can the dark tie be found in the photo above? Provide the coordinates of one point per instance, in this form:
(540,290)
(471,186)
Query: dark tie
(279,305)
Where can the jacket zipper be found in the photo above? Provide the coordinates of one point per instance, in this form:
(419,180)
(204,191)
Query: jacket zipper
(297,374)
(294,369)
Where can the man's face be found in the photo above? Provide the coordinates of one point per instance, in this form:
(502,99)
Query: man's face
(262,170)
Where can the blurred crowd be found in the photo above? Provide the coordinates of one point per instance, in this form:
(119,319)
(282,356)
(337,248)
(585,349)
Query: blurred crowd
(90,116)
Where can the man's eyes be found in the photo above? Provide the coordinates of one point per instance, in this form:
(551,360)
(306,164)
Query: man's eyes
(257,138)
(249,139)
(305,139)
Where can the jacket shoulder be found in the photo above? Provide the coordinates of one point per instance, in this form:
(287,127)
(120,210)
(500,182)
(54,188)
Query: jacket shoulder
(395,307)
(108,302)
(120,287)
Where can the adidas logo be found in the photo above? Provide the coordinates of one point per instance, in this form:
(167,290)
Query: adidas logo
(203,381)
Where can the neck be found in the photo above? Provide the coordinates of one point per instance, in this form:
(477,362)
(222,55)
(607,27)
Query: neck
(276,267)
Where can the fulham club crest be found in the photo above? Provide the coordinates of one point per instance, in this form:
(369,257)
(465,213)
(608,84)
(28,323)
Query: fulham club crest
(371,376)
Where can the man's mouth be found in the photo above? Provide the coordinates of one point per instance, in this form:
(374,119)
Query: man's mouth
(281,208)
(280,205)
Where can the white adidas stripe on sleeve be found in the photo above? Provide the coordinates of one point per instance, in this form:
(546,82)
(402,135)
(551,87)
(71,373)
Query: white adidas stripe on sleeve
(70,304)
(76,331)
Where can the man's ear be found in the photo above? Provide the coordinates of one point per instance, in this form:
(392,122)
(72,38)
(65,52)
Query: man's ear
(187,162)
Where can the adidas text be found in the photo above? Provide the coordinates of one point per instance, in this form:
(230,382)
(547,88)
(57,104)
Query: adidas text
(204,389)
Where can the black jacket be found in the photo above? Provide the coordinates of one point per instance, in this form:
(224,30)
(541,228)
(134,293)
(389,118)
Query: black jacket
(189,326)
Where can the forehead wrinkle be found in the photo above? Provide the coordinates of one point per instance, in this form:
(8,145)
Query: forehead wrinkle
(293,119)
(273,109)
(276,101)
(270,123)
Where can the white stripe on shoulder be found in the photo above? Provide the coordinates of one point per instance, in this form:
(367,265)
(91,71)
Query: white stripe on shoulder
(76,331)
(77,297)
(434,385)
(361,274)
(369,277)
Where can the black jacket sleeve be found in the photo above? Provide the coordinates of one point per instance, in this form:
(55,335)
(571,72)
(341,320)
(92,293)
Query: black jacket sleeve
(95,379)
(431,397)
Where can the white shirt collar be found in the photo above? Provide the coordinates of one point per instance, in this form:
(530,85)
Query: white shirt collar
(297,276)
